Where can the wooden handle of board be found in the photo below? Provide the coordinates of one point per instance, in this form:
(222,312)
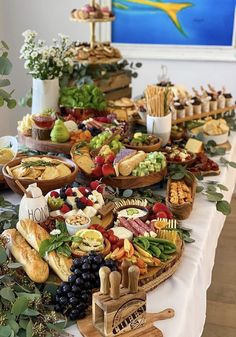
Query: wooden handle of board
(104,273)
(133,279)
(165,314)
(115,279)
(125,276)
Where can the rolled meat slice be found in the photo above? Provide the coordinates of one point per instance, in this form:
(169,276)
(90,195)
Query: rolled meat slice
(125,223)
(146,227)
(137,227)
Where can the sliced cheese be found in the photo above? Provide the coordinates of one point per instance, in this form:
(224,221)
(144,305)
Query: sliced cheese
(194,145)
(122,233)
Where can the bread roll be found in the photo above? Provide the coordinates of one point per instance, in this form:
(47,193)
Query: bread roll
(127,166)
(35,235)
(33,265)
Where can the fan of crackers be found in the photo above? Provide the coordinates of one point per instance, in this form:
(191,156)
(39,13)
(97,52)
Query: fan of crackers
(39,168)
(158,100)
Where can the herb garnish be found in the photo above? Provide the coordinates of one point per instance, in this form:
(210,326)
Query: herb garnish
(38,163)
(59,241)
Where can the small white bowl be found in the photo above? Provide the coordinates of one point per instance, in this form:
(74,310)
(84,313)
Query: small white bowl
(11,142)
(219,139)
(73,229)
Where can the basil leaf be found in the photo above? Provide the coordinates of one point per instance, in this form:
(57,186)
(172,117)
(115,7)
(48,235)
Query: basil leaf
(64,250)
(44,247)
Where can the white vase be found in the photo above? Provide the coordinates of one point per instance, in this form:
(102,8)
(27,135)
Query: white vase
(45,95)
(160,126)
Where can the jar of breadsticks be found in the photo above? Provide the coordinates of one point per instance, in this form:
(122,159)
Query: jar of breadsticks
(159,116)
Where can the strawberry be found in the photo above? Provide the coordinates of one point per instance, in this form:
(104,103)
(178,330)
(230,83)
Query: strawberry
(84,200)
(99,160)
(108,170)
(69,192)
(65,208)
(161,215)
(101,188)
(82,190)
(94,184)
(110,158)
(159,207)
(89,202)
(97,172)
(54,194)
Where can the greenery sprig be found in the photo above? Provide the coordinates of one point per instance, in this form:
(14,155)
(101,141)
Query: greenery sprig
(212,190)
(212,150)
(8,214)
(227,162)
(5,70)
(25,311)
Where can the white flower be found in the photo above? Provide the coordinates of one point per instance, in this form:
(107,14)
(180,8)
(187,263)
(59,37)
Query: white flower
(55,232)
(34,54)
(26,64)
(29,33)
(59,63)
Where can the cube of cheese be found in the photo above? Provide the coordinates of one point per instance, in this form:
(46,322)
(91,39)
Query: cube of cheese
(194,146)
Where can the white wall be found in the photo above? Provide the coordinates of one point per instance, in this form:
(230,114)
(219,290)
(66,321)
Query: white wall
(50,17)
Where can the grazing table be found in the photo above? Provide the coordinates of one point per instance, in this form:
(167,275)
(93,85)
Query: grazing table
(185,292)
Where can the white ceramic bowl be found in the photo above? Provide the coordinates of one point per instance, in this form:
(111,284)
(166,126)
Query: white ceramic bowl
(73,229)
(219,139)
(11,142)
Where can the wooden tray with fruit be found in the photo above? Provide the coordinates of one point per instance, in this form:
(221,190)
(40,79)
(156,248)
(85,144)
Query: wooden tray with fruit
(204,166)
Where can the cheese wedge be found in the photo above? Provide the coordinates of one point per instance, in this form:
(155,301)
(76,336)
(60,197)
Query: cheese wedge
(194,146)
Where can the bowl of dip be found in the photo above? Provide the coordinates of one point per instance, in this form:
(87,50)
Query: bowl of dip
(132,212)
(77,221)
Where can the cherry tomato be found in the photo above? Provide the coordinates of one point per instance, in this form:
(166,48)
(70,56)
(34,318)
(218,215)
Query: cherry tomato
(120,243)
(113,239)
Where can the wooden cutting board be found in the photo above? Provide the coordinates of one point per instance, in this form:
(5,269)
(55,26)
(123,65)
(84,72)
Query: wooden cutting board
(87,329)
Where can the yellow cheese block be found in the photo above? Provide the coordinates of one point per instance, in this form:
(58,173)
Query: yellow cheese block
(194,145)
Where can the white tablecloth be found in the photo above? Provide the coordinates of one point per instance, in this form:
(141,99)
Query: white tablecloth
(185,292)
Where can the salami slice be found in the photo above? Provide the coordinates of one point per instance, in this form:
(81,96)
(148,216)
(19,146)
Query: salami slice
(125,223)
(143,225)
(137,227)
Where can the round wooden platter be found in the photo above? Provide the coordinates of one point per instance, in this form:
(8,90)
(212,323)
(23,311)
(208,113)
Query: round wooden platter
(44,145)
(146,148)
(157,275)
(100,61)
(135,182)
(105,221)
(206,173)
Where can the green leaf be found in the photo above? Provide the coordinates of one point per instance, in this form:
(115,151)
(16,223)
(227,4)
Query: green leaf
(178,176)
(4,44)
(1,101)
(20,305)
(223,160)
(23,323)
(13,325)
(8,294)
(5,66)
(21,333)
(214,196)
(3,255)
(11,103)
(14,265)
(127,193)
(222,187)
(29,296)
(5,331)
(4,94)
(56,326)
(31,312)
(232,164)
(211,143)
(224,207)
(199,189)
(29,329)
(211,188)
(4,83)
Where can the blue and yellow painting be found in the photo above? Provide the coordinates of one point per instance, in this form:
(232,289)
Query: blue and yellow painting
(174,22)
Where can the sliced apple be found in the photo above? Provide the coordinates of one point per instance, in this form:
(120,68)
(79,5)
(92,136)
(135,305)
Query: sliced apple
(129,248)
(142,251)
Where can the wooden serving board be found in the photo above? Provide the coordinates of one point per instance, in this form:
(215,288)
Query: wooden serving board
(44,145)
(105,222)
(146,148)
(87,329)
(135,182)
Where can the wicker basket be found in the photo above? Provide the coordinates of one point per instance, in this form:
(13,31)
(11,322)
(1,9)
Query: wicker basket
(182,211)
